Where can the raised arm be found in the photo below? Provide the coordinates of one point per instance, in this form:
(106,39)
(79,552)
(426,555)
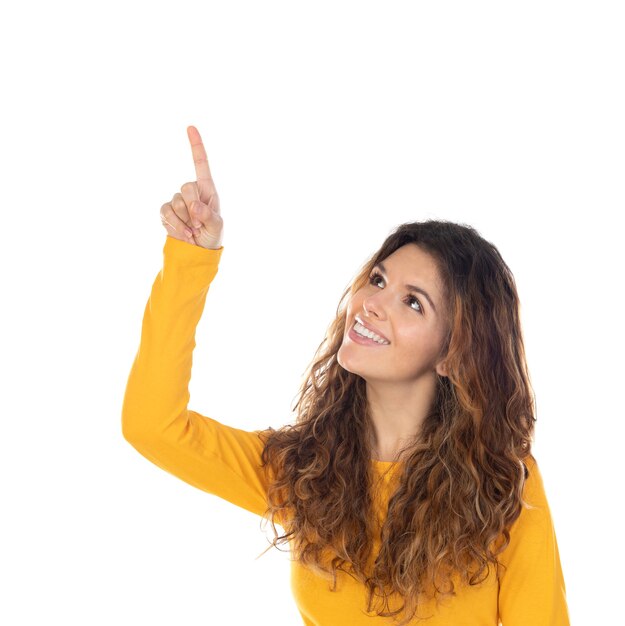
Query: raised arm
(198,449)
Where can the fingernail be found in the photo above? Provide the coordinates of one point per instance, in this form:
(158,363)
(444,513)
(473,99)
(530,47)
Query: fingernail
(196,224)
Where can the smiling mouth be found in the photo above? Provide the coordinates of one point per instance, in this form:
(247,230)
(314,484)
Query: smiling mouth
(366,328)
(358,329)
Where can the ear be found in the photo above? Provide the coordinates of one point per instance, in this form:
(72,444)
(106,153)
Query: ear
(441,368)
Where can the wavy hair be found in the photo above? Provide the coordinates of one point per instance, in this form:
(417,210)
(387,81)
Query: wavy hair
(461,485)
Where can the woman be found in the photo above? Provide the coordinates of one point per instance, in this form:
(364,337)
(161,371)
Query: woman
(406,487)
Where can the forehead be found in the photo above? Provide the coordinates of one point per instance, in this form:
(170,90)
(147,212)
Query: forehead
(412,264)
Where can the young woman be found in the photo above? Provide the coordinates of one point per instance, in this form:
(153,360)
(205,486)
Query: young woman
(406,487)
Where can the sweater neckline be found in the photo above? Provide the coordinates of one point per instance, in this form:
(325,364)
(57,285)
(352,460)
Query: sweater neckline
(384,464)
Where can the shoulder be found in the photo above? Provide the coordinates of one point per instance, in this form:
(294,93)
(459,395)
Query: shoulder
(534,494)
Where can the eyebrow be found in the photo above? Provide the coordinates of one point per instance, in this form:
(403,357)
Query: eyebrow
(410,287)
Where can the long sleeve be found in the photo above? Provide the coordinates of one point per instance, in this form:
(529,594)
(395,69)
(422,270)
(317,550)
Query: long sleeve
(531,587)
(205,453)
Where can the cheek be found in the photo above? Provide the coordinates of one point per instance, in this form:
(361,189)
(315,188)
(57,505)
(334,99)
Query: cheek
(409,340)
(416,340)
(355,304)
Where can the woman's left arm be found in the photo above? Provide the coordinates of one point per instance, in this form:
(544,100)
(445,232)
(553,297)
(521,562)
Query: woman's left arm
(531,586)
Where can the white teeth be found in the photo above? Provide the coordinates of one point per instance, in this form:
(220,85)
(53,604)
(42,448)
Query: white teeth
(361,330)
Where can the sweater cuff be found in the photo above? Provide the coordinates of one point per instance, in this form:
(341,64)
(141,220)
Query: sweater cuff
(189,254)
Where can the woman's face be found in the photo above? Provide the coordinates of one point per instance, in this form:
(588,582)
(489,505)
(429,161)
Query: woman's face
(414,326)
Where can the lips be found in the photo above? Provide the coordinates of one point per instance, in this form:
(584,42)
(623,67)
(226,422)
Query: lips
(368,326)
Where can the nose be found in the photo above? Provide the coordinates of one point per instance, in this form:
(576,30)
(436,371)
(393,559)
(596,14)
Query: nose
(373,307)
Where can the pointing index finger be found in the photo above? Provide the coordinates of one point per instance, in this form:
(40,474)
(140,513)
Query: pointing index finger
(202,171)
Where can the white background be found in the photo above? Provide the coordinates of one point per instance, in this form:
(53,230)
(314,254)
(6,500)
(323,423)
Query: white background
(326,125)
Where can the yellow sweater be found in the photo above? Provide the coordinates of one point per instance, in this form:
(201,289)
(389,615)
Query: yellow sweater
(225,461)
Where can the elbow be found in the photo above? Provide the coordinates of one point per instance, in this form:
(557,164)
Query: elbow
(136,418)
(145,423)
(128,433)
(144,428)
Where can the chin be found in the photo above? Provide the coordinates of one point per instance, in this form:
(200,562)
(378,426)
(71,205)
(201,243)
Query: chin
(346,366)
(341,361)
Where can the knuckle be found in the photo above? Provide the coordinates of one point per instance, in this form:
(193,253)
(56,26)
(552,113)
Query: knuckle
(188,187)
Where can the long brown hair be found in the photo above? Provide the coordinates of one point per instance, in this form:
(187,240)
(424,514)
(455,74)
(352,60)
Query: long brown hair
(461,485)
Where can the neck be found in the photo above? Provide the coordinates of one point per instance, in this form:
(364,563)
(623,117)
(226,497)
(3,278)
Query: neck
(398,410)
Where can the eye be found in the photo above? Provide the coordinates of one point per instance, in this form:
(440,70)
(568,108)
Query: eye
(376,275)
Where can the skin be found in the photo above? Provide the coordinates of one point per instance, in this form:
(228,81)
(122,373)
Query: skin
(400,377)
(194,214)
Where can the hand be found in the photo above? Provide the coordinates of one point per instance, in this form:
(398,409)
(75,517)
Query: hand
(179,217)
